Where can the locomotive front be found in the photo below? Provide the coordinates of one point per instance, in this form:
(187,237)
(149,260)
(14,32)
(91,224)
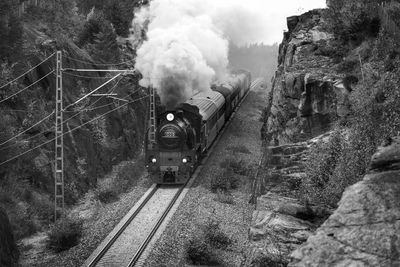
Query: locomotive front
(171,161)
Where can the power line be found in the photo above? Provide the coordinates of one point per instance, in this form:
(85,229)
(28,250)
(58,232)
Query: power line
(86,77)
(22,75)
(101,86)
(26,88)
(21,133)
(81,111)
(70,131)
(99,64)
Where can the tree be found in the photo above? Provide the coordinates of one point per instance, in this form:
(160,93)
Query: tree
(105,47)
(15,40)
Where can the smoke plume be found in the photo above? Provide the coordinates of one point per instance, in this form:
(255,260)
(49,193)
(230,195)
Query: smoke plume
(187,44)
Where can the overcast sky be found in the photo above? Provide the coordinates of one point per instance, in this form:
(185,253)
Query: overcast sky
(273,14)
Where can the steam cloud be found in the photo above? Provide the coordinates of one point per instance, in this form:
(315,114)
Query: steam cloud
(187,44)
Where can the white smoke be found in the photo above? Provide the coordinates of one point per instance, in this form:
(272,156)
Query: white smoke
(187,44)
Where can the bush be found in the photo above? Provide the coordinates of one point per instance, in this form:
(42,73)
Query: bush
(215,236)
(268,261)
(237,166)
(199,253)
(224,197)
(106,195)
(223,181)
(64,234)
(353,21)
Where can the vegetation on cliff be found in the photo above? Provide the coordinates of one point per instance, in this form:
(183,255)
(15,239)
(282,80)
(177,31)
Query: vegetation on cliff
(373,56)
(85,35)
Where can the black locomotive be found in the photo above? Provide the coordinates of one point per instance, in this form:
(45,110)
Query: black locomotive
(184,134)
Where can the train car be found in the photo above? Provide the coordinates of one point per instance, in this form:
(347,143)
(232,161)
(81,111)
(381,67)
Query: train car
(187,132)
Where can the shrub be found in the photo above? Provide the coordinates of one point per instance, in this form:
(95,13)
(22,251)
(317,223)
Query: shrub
(224,197)
(237,166)
(198,252)
(215,236)
(64,234)
(268,261)
(223,181)
(106,195)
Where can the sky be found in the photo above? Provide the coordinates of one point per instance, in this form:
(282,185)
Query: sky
(271,15)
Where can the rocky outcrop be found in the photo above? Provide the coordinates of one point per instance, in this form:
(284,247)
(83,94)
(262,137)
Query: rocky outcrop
(8,249)
(365,229)
(307,94)
(280,222)
(95,145)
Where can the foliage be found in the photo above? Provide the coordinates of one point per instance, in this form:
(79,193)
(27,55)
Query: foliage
(268,261)
(353,21)
(99,37)
(64,234)
(224,180)
(199,253)
(120,180)
(344,158)
(119,13)
(11,34)
(215,236)
(200,249)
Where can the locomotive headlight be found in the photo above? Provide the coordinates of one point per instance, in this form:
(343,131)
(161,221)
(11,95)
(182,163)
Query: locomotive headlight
(170,117)
(184,160)
(154,160)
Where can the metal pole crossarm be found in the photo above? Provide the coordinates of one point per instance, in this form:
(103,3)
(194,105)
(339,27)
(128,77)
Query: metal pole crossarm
(95,90)
(104,94)
(98,70)
(120,99)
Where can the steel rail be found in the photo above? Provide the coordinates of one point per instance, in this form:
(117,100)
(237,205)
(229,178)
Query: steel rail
(143,246)
(104,250)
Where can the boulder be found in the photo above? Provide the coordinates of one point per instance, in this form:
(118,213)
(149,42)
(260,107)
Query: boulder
(365,229)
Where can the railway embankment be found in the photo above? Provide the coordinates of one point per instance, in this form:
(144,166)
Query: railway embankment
(334,101)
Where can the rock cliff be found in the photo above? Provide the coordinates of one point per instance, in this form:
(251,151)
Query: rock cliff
(307,94)
(365,229)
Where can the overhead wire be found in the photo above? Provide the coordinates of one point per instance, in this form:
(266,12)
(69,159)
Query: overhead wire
(79,112)
(26,88)
(22,75)
(85,77)
(98,64)
(49,129)
(72,130)
(21,133)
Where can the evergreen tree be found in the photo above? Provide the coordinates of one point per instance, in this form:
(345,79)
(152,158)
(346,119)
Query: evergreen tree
(4,47)
(105,48)
(15,38)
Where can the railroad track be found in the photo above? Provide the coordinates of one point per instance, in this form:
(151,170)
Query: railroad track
(127,243)
(130,241)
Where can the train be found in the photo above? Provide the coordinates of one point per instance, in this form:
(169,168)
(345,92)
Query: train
(183,135)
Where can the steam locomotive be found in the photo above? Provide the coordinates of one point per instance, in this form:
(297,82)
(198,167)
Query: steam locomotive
(184,134)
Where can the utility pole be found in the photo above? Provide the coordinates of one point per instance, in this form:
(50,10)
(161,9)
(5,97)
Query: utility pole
(59,152)
(152,119)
